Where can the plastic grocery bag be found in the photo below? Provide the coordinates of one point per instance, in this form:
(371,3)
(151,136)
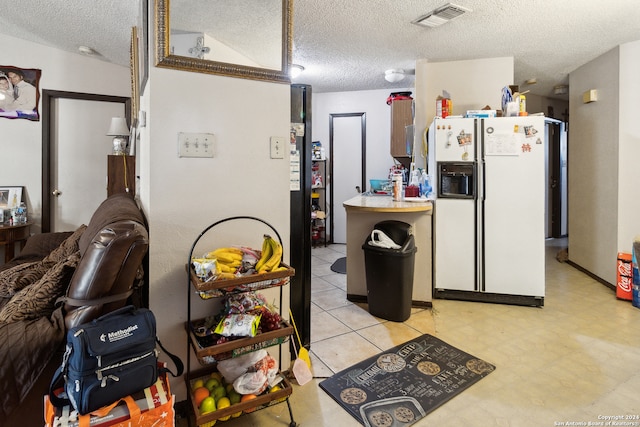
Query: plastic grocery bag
(257,377)
(236,366)
(381,240)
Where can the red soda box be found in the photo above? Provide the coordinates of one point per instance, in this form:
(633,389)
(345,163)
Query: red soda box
(624,276)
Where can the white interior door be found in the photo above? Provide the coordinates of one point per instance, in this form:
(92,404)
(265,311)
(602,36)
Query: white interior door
(347,163)
(79,150)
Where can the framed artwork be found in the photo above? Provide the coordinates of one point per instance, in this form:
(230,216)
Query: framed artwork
(19,92)
(143,39)
(10,197)
(135,76)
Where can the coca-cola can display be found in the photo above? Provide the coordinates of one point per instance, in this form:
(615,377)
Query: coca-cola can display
(624,282)
(636,275)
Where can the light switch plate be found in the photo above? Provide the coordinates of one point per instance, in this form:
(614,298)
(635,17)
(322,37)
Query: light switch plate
(195,144)
(277,147)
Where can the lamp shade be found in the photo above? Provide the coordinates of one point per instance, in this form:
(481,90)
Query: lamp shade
(394,75)
(118,127)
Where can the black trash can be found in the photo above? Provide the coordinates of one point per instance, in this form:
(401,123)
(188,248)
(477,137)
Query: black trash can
(389,272)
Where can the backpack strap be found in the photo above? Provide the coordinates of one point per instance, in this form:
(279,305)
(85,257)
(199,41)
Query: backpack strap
(56,382)
(175,359)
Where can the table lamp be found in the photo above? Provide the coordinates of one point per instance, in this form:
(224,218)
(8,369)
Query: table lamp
(120,133)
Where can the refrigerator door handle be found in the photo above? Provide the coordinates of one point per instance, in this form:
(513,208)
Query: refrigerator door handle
(483,180)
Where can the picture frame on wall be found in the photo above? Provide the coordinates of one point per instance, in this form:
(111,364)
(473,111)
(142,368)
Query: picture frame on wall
(135,76)
(19,92)
(10,197)
(143,39)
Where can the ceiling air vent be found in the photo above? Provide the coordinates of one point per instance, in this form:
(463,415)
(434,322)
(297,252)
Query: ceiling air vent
(441,15)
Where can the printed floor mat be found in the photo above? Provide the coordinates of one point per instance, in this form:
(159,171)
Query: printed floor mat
(403,384)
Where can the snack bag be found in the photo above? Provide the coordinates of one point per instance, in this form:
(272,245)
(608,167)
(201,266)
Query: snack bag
(238,325)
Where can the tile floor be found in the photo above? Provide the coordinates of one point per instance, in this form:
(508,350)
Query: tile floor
(573,361)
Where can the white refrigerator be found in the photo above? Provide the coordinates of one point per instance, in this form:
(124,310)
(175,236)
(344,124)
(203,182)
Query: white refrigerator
(489,209)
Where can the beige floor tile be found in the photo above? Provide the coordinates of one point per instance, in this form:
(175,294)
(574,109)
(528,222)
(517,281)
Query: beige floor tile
(354,316)
(319,284)
(324,325)
(389,334)
(318,367)
(342,351)
(338,280)
(315,309)
(331,299)
(423,321)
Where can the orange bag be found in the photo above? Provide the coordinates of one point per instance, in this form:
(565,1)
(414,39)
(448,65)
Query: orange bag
(151,407)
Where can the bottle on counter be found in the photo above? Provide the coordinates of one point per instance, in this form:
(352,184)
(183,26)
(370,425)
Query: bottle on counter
(396,181)
(425,184)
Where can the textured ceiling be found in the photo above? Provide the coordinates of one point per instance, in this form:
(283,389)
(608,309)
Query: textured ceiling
(348,44)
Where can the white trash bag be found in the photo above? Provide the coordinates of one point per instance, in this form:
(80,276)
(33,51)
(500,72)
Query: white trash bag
(381,240)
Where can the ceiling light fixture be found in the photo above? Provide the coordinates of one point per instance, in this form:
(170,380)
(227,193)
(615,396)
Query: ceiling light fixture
(394,75)
(86,50)
(295,70)
(441,15)
(532,81)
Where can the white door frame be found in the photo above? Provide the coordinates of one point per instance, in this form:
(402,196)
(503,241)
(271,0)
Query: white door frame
(363,147)
(48,159)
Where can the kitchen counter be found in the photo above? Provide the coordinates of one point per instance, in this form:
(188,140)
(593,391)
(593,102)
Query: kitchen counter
(363,213)
(384,203)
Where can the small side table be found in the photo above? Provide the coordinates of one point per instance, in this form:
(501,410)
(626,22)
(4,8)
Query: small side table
(10,234)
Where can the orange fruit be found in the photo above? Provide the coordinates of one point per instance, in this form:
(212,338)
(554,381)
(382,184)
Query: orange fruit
(200,394)
(246,398)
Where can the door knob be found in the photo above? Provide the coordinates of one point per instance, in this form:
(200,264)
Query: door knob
(56,193)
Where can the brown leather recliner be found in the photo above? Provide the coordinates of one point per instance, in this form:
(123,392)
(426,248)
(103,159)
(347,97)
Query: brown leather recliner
(112,249)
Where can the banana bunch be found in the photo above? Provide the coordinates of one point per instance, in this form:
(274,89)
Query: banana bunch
(227,260)
(270,257)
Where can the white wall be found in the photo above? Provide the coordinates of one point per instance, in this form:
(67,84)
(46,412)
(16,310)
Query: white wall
(21,140)
(629,147)
(183,196)
(604,148)
(593,166)
(472,84)
(378,117)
